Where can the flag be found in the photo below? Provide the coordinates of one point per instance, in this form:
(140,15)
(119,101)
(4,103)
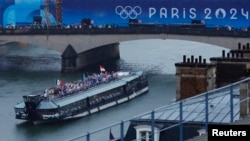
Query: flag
(111,136)
(59,82)
(102,68)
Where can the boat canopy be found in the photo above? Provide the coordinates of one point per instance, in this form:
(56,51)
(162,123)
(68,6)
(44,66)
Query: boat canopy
(127,79)
(91,92)
(132,77)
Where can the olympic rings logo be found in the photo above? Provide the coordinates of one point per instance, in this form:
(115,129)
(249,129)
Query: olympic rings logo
(128,12)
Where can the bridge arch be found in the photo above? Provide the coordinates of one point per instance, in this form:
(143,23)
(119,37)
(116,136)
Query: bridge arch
(82,43)
(163,47)
(169,47)
(88,45)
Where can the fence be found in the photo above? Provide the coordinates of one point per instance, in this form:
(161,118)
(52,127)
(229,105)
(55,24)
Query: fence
(128,30)
(221,105)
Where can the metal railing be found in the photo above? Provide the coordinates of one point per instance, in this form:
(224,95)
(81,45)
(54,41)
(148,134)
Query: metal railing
(119,129)
(128,30)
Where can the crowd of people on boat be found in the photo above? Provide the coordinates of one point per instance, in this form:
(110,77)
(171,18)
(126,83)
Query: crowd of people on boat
(63,89)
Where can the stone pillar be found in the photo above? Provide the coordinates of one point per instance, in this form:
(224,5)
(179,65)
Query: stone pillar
(244,94)
(69,57)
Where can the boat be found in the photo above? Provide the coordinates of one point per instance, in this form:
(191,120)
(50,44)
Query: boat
(81,98)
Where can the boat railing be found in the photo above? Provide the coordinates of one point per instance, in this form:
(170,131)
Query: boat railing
(59,96)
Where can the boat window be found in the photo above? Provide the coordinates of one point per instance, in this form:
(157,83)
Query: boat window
(19,110)
(105,95)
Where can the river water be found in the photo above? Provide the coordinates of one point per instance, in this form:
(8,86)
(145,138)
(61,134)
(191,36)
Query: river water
(28,69)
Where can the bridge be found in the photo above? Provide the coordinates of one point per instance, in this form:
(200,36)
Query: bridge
(87,41)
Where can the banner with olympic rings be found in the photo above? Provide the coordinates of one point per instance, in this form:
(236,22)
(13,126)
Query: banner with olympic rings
(119,12)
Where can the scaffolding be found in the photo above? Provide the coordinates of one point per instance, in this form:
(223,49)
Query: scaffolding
(58,4)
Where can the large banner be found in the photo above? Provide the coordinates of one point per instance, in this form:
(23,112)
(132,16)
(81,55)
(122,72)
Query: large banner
(213,12)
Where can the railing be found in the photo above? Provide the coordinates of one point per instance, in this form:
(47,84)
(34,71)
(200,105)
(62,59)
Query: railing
(119,129)
(129,30)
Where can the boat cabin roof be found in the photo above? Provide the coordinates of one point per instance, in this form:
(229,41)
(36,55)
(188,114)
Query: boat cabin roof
(91,92)
(96,90)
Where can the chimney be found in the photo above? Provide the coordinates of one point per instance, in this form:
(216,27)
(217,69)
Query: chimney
(204,61)
(223,53)
(196,61)
(184,58)
(200,59)
(192,59)
(239,46)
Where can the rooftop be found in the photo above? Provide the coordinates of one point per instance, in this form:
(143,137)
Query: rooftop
(194,108)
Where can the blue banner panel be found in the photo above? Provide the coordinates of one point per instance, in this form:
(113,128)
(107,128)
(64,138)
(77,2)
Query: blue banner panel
(213,12)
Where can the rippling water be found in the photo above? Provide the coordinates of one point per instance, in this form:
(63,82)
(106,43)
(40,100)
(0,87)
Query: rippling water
(24,57)
(28,69)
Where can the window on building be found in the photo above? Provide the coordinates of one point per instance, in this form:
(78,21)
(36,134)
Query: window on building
(145,136)
(143,133)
